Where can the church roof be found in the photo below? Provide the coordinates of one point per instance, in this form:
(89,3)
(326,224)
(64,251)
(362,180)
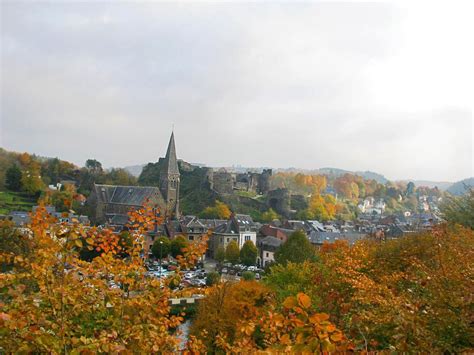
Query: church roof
(126,195)
(170,165)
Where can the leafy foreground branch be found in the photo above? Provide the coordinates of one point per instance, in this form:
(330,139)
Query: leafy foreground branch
(52,301)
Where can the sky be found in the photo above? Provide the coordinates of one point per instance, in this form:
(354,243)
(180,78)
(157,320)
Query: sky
(380,86)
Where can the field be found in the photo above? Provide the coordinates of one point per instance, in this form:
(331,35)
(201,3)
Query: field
(15,201)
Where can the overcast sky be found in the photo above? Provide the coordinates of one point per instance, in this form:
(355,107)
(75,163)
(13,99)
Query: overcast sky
(360,86)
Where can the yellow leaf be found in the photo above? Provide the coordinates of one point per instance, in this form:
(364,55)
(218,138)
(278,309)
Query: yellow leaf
(285,339)
(289,302)
(304,300)
(78,242)
(336,337)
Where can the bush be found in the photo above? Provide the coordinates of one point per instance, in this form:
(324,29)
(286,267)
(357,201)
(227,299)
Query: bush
(213,278)
(248,275)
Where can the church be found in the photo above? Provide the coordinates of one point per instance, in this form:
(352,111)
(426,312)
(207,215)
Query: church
(110,204)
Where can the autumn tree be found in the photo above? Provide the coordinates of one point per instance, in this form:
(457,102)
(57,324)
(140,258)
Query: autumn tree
(53,301)
(219,210)
(296,249)
(248,253)
(232,252)
(242,318)
(225,305)
(13,178)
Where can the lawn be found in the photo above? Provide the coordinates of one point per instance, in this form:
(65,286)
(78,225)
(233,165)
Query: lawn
(15,201)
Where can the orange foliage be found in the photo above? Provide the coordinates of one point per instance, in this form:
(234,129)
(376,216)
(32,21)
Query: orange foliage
(53,301)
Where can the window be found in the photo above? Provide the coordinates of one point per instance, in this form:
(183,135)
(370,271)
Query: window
(267,255)
(247,237)
(228,240)
(191,237)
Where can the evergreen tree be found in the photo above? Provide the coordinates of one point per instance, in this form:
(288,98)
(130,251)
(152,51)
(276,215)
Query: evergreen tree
(13,178)
(296,249)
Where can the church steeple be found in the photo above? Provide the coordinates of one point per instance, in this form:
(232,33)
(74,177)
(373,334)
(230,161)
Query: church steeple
(171,162)
(169,178)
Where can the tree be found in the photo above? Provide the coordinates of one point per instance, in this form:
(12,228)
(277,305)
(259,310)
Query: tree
(31,179)
(460,209)
(161,247)
(212,278)
(220,254)
(410,190)
(232,253)
(248,253)
(269,216)
(219,210)
(248,275)
(178,245)
(54,302)
(296,249)
(13,178)
(225,306)
(94,167)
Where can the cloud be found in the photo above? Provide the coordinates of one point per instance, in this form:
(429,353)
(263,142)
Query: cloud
(356,86)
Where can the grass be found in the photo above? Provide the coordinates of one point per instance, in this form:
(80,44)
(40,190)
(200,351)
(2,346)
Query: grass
(15,201)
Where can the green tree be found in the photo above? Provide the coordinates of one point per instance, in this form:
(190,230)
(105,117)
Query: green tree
(220,254)
(94,167)
(460,209)
(177,246)
(31,179)
(296,249)
(232,253)
(248,275)
(269,215)
(161,247)
(212,278)
(248,253)
(13,178)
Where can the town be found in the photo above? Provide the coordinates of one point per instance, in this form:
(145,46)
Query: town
(236,177)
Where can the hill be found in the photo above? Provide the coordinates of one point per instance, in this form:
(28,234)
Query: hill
(461,187)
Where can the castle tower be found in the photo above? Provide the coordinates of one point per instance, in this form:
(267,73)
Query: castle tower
(169,179)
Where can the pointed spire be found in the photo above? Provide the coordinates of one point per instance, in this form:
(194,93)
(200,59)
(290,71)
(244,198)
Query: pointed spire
(171,162)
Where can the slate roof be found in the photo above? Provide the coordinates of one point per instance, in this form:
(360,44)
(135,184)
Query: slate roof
(170,165)
(244,222)
(192,222)
(227,228)
(126,195)
(271,242)
(330,237)
(213,223)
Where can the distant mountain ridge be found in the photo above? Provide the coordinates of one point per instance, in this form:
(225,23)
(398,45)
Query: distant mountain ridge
(461,187)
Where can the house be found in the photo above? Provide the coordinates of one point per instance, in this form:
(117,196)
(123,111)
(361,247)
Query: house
(239,228)
(268,230)
(267,248)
